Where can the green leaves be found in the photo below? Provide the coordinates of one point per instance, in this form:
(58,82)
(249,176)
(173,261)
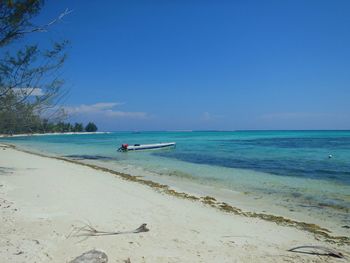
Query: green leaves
(30,83)
(15,18)
(91,127)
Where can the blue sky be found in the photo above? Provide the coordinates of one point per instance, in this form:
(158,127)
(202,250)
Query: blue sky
(226,65)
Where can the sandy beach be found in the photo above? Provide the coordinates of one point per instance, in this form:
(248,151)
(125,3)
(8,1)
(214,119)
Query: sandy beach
(45,201)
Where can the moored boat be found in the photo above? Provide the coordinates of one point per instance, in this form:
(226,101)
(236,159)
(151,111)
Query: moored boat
(136,147)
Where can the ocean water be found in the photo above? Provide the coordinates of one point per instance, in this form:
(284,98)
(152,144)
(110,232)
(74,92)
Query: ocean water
(290,170)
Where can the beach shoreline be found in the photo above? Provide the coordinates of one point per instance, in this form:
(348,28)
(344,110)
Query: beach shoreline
(173,202)
(253,202)
(48,134)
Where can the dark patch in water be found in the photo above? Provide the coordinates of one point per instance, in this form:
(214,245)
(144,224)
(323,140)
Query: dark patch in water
(296,195)
(311,206)
(89,157)
(284,167)
(329,143)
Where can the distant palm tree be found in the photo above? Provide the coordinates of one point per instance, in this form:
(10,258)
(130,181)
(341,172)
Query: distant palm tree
(91,127)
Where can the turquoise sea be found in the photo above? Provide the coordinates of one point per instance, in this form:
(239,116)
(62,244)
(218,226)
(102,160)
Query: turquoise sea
(281,172)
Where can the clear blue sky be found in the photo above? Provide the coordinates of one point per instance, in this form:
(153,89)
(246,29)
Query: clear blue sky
(164,65)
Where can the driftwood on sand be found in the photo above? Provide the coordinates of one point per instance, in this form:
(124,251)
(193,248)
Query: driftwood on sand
(317,250)
(89,231)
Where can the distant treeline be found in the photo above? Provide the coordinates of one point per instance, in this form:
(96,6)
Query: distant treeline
(67,127)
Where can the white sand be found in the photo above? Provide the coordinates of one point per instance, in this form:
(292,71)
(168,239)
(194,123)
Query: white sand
(42,199)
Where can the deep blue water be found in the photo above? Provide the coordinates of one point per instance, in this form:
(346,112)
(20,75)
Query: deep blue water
(286,156)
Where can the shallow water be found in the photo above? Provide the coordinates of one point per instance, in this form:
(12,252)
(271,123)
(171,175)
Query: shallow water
(287,169)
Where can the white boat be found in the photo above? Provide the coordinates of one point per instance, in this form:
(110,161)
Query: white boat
(136,147)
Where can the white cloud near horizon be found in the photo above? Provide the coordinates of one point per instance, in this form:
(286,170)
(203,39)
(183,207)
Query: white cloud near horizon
(104,109)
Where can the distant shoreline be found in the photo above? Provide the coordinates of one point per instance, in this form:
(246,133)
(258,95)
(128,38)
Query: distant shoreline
(49,133)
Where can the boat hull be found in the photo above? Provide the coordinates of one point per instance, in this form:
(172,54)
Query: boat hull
(150,146)
(138,147)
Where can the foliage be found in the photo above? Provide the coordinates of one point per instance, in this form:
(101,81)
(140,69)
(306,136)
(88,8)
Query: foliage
(91,127)
(32,76)
(78,127)
(17,117)
(14,124)
(30,83)
(15,16)
(64,127)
